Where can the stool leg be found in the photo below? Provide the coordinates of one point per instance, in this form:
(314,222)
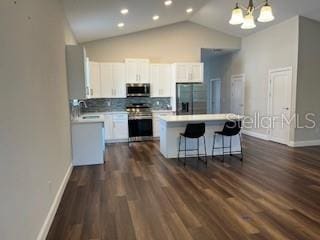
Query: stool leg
(222,148)
(179,149)
(241,147)
(185,151)
(198,152)
(230,146)
(205,151)
(213,145)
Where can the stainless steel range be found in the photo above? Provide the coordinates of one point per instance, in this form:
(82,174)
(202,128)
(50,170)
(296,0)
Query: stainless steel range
(140,122)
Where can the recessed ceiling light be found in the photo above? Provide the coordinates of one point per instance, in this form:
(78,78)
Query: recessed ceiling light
(124,11)
(168,3)
(121,25)
(155,17)
(189,10)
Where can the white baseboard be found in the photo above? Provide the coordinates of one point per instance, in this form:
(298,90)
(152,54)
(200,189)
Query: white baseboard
(256,135)
(54,207)
(305,143)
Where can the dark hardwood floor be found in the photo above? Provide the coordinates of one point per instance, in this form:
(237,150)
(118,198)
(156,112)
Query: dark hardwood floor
(137,194)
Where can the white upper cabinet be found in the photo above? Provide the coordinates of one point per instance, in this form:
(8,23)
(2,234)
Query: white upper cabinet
(106,79)
(94,83)
(188,72)
(137,70)
(113,81)
(119,79)
(196,70)
(76,72)
(160,79)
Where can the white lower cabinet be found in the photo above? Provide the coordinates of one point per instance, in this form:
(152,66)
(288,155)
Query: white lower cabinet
(116,127)
(156,121)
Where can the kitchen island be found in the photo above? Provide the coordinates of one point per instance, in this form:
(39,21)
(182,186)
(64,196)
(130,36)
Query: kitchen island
(88,145)
(172,126)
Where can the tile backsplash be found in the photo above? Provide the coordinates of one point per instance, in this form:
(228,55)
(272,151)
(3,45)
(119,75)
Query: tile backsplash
(119,104)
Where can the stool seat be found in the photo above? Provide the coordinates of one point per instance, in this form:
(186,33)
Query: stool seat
(230,129)
(193,131)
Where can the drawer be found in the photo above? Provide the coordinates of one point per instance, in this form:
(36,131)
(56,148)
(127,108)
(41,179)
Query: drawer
(120,117)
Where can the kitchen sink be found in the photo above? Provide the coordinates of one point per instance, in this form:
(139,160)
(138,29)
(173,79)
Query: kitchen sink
(90,117)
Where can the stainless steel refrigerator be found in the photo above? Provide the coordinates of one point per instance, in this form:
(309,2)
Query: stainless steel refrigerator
(191,99)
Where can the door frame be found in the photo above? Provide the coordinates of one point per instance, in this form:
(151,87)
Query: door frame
(211,93)
(270,98)
(235,77)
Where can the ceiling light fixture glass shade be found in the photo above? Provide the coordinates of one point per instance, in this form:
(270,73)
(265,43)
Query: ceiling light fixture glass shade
(248,22)
(168,2)
(266,14)
(124,11)
(237,16)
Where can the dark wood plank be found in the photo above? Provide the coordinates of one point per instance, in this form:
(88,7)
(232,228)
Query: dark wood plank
(137,194)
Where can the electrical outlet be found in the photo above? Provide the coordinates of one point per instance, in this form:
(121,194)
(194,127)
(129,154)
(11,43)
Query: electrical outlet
(158,103)
(109,103)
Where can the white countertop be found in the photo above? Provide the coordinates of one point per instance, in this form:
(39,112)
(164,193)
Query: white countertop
(201,118)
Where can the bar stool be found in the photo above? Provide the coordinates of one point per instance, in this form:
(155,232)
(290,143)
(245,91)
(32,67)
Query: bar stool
(230,129)
(193,131)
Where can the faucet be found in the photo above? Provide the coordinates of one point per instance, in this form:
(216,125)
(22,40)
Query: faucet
(83,102)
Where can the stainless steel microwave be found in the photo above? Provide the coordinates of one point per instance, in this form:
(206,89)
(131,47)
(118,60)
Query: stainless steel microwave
(138,90)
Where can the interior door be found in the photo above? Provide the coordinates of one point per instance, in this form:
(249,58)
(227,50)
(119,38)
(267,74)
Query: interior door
(215,96)
(279,104)
(237,94)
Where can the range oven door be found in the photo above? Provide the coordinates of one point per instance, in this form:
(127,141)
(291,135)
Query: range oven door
(140,128)
(138,90)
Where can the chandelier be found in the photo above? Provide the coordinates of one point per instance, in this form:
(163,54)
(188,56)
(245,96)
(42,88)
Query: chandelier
(248,21)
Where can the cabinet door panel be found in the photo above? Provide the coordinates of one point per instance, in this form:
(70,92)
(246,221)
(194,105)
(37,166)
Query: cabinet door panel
(108,127)
(107,88)
(95,80)
(197,72)
(154,80)
(131,72)
(119,79)
(165,80)
(143,72)
(182,73)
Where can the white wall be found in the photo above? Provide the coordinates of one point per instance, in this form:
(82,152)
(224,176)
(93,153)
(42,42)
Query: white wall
(308,78)
(275,47)
(174,43)
(34,114)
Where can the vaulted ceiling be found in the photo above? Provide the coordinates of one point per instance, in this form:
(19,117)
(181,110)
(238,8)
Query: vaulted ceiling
(98,19)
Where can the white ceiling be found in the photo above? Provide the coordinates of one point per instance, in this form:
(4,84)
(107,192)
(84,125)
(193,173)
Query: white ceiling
(97,19)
